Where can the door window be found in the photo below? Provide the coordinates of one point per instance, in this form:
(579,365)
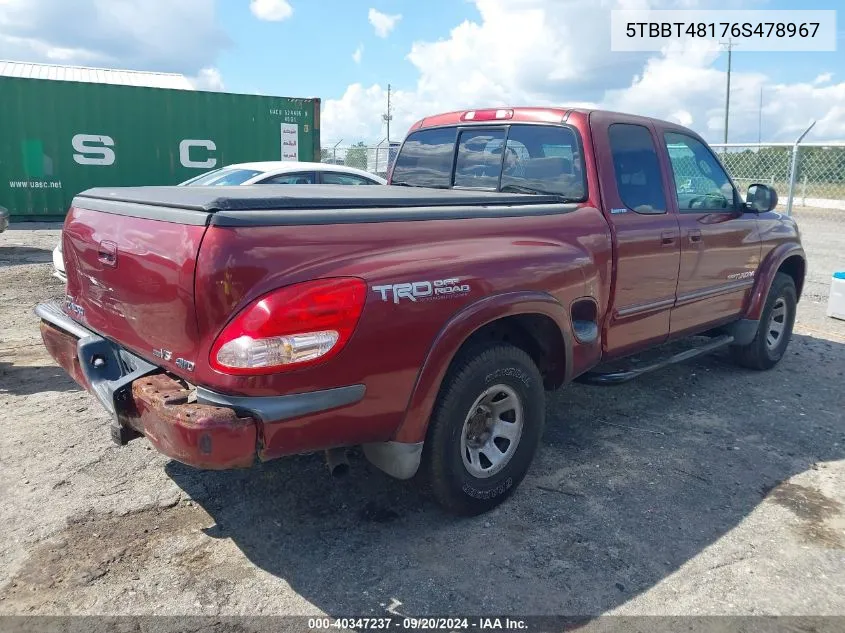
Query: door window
(302,178)
(700,182)
(637,170)
(336,178)
(223,177)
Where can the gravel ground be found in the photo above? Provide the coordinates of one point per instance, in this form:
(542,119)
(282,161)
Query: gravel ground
(702,489)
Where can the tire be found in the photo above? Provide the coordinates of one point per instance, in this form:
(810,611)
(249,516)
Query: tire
(775,328)
(464,430)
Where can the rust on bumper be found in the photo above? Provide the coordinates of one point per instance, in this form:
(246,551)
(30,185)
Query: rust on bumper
(199,435)
(62,347)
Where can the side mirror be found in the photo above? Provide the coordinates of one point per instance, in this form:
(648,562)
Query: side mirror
(761,198)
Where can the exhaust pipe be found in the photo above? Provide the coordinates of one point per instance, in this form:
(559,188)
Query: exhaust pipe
(337,462)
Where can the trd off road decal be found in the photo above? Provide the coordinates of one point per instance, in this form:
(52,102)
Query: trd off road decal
(422,290)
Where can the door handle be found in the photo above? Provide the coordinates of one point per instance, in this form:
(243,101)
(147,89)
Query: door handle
(694,235)
(667,238)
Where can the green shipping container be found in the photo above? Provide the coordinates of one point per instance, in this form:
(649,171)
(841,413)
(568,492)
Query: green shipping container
(58,138)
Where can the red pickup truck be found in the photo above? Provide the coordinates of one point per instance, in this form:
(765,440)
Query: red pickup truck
(516,250)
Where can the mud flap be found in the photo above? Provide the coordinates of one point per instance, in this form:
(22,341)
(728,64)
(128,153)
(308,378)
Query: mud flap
(111,371)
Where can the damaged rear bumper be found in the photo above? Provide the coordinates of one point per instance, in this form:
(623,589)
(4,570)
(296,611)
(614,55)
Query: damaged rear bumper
(142,399)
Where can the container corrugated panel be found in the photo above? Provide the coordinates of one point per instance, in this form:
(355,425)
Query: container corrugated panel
(94,75)
(58,138)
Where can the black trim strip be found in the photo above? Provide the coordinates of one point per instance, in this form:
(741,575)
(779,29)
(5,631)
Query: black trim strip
(715,291)
(278,408)
(297,217)
(642,308)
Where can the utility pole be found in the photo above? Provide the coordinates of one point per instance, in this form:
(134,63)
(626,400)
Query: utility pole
(760,118)
(729,46)
(388,117)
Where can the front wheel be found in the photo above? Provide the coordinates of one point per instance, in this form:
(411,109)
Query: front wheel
(485,428)
(775,328)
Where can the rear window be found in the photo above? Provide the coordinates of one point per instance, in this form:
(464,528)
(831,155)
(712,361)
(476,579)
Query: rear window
(223,177)
(537,157)
(479,162)
(426,158)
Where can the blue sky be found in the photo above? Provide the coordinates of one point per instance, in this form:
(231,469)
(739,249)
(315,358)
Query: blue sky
(439,55)
(311,52)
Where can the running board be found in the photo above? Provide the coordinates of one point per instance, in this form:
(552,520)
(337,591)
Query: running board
(619,377)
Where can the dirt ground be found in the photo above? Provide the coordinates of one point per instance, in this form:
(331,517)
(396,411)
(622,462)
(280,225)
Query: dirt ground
(701,489)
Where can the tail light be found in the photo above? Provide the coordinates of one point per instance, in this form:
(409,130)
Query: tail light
(291,327)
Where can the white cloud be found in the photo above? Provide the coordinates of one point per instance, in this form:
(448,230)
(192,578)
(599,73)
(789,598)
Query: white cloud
(352,117)
(160,35)
(208,79)
(567,61)
(271,10)
(681,117)
(382,22)
(359,52)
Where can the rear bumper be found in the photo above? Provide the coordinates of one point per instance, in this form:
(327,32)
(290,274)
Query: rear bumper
(142,399)
(195,426)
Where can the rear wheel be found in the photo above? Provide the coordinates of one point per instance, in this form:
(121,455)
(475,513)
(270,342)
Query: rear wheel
(775,328)
(485,428)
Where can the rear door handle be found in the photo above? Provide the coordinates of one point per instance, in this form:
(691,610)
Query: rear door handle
(667,238)
(694,235)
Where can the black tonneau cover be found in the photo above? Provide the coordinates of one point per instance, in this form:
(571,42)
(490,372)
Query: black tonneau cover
(291,205)
(279,197)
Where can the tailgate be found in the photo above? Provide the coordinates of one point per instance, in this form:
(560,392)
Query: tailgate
(131,279)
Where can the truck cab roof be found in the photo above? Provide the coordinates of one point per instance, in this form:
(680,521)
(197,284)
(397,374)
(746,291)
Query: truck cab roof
(515,115)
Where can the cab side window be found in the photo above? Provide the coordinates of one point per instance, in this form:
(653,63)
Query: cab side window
(637,170)
(701,183)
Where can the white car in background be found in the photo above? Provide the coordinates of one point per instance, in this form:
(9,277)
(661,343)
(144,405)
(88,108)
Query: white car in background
(284,173)
(59,263)
(263,173)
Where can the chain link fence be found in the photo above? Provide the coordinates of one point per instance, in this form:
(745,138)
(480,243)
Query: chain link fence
(819,171)
(375,159)
(819,180)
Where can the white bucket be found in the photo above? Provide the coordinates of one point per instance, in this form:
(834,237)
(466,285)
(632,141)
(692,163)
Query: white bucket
(836,301)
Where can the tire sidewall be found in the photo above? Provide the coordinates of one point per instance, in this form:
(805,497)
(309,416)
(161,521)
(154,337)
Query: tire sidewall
(516,374)
(782,288)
